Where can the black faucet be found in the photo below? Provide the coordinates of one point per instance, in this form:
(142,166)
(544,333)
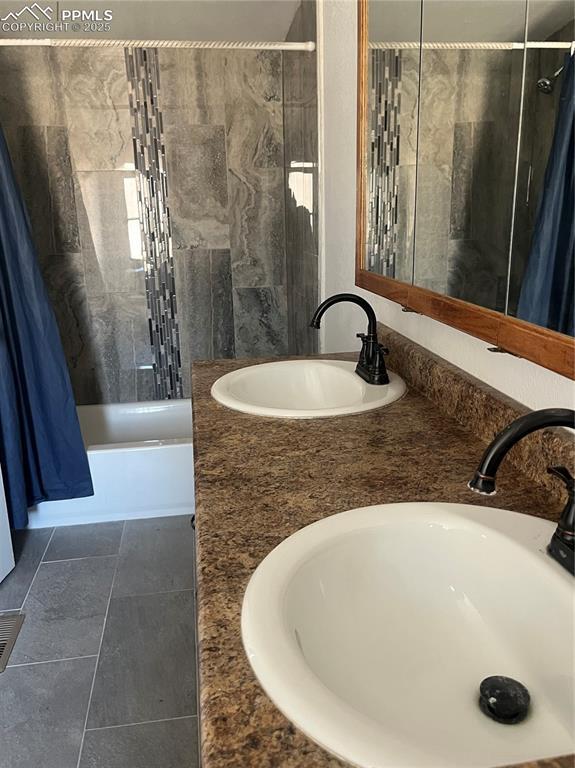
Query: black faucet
(371,363)
(562,545)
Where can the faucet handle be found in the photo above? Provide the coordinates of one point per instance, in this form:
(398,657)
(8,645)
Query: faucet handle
(563,474)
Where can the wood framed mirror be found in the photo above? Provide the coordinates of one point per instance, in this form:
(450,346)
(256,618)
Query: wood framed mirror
(463,130)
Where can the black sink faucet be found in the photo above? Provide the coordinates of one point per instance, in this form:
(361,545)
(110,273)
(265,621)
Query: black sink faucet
(562,545)
(371,363)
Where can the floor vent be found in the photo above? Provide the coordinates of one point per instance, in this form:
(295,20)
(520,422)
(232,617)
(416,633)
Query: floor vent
(10,626)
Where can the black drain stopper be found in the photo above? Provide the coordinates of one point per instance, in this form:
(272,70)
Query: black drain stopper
(504,699)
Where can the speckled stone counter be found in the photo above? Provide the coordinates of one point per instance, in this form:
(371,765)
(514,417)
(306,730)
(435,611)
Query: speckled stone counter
(259,480)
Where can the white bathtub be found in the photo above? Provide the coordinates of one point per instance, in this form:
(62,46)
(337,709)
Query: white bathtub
(142,464)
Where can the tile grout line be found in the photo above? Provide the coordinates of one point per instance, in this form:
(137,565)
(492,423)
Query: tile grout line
(141,722)
(49,661)
(100,647)
(153,594)
(37,569)
(76,559)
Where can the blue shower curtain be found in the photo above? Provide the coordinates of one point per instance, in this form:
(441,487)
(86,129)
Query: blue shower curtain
(41,450)
(547,292)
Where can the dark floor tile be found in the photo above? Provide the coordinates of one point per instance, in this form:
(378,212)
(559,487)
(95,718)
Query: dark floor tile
(42,712)
(84,541)
(156,556)
(169,744)
(65,610)
(29,546)
(147,663)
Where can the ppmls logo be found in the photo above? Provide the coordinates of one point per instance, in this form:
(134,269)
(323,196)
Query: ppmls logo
(35,11)
(41,18)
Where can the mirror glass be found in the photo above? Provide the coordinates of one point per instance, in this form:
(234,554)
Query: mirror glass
(541,285)
(470,97)
(468,181)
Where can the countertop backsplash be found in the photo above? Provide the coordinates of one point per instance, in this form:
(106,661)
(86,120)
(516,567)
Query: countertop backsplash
(479,408)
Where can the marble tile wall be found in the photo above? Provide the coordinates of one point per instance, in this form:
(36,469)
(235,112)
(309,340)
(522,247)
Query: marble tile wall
(205,306)
(223,121)
(301,182)
(66,119)
(241,145)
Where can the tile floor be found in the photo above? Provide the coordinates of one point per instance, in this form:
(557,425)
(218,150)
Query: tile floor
(103,674)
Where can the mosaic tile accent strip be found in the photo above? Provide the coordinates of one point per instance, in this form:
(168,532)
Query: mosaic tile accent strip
(383,160)
(154,212)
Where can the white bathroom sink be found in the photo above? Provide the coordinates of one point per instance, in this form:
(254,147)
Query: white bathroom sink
(303,389)
(371,631)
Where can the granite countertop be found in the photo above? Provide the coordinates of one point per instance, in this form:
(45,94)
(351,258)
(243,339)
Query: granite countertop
(259,480)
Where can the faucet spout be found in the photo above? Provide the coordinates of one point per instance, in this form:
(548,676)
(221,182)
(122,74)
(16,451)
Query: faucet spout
(562,545)
(336,299)
(484,479)
(371,365)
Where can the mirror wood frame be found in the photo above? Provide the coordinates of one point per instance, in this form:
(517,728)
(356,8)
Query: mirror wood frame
(550,349)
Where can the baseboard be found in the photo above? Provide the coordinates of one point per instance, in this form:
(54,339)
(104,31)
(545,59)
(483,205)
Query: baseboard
(48,518)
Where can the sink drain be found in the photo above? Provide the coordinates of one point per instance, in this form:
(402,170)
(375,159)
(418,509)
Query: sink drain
(504,699)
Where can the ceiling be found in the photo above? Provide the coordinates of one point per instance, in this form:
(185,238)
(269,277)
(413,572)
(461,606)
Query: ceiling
(249,20)
(201,20)
(466,20)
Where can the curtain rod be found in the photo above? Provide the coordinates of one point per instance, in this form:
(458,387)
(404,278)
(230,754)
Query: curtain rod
(470,46)
(95,43)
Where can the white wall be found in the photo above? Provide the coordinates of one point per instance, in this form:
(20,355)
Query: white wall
(337,51)
(6,553)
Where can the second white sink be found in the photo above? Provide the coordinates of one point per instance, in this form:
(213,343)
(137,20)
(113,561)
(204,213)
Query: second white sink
(303,389)
(373,629)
